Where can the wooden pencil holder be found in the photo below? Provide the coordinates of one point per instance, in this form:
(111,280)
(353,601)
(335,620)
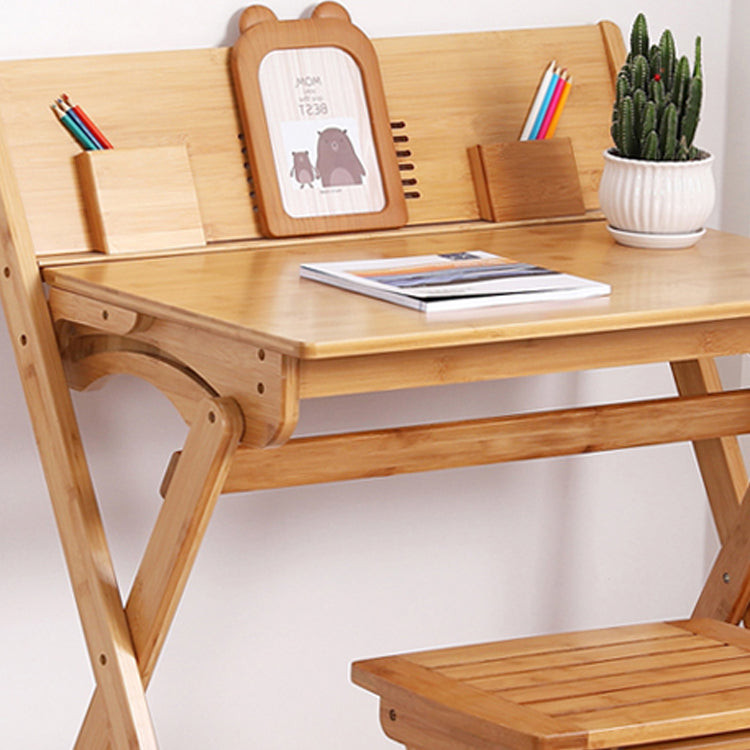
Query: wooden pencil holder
(522,180)
(141,199)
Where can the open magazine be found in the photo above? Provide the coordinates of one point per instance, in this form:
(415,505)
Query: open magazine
(453,281)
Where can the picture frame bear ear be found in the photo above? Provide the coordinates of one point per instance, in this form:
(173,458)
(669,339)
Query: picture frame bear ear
(316,125)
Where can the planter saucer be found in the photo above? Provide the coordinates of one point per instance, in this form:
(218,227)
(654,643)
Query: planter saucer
(655,241)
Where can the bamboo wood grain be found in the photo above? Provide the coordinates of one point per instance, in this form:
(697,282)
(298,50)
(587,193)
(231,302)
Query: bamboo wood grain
(726,711)
(718,630)
(636,670)
(465,98)
(522,180)
(140,199)
(86,257)
(414,366)
(90,312)
(570,663)
(476,442)
(602,696)
(76,510)
(508,359)
(417,732)
(258,298)
(188,505)
(726,593)
(87,367)
(460,710)
(452,91)
(477,654)
(572,667)
(591,680)
(473,363)
(163,113)
(243,325)
(720,460)
(729,741)
(614,46)
(182,360)
(263,382)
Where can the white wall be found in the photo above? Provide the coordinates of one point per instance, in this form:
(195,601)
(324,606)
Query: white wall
(736,177)
(291,586)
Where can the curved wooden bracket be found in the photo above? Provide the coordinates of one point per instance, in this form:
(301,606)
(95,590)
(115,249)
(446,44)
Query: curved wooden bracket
(185,363)
(89,363)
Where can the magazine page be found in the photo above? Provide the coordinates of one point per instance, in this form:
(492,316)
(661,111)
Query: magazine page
(449,275)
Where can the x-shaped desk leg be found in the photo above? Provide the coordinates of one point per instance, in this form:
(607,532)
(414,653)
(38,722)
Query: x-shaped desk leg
(726,594)
(719,459)
(203,467)
(188,504)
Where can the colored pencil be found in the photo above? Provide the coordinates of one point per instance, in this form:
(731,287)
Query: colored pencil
(537,102)
(80,134)
(556,94)
(69,113)
(87,122)
(545,105)
(559,108)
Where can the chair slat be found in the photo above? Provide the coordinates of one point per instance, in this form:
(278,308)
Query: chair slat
(618,687)
(639,671)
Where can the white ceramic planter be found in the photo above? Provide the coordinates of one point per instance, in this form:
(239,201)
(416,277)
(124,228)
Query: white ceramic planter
(667,202)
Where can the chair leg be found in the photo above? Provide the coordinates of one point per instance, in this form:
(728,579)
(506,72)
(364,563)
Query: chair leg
(189,501)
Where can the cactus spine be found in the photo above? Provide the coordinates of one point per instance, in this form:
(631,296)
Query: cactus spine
(658,99)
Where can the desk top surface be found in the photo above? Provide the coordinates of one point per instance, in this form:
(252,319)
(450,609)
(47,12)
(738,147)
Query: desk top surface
(257,295)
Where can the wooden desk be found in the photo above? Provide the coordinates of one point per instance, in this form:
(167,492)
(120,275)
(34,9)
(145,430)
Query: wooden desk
(318,341)
(242,324)
(301,339)
(236,339)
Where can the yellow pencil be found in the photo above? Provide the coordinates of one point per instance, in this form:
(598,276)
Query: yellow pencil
(558,110)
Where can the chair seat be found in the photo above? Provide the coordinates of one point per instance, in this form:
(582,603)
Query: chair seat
(629,685)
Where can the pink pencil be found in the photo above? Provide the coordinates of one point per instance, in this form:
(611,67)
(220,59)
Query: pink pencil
(549,114)
(560,106)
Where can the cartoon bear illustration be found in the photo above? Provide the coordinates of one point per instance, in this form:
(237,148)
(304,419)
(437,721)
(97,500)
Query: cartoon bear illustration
(302,169)
(337,163)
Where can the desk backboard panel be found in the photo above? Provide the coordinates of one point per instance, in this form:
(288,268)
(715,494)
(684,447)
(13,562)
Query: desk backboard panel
(445,93)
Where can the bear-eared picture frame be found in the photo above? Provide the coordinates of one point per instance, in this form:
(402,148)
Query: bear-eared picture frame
(316,125)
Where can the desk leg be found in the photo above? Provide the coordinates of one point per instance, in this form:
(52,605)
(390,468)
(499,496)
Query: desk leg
(188,504)
(726,594)
(719,459)
(71,491)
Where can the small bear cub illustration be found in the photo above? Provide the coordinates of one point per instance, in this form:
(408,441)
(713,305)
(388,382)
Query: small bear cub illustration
(302,169)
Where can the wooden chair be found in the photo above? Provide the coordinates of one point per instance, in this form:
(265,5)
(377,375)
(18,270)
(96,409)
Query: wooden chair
(236,364)
(672,685)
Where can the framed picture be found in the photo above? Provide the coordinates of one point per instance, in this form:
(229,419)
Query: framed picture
(318,135)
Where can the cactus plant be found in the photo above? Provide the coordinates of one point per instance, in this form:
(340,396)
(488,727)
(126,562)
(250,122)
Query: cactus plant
(658,99)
